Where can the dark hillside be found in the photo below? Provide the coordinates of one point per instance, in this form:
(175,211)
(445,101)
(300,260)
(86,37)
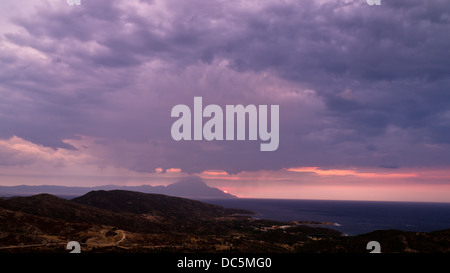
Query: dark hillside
(154,204)
(49,206)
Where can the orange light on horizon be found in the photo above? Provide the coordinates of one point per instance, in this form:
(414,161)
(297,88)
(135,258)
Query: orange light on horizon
(346,172)
(173,170)
(212,172)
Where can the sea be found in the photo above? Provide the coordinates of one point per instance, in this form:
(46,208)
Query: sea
(349,217)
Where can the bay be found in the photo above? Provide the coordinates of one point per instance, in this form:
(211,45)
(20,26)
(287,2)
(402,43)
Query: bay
(349,217)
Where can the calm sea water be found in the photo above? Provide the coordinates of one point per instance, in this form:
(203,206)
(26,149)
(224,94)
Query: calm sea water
(350,217)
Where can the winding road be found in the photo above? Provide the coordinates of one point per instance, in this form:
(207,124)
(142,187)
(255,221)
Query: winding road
(124,236)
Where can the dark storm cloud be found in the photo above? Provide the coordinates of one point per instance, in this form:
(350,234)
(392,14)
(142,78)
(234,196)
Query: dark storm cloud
(378,79)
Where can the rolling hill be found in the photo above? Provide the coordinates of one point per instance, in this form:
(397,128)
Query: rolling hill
(158,205)
(59,209)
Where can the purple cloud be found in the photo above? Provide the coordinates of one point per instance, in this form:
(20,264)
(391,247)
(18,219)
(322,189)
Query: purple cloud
(356,85)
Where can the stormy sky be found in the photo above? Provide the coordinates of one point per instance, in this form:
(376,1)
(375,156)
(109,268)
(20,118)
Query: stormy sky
(87,91)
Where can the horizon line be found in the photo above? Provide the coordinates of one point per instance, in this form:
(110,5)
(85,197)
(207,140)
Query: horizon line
(235,196)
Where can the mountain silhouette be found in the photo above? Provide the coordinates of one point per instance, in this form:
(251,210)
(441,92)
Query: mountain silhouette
(194,187)
(191,187)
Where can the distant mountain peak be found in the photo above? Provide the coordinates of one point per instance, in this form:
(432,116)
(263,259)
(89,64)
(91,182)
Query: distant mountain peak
(195,187)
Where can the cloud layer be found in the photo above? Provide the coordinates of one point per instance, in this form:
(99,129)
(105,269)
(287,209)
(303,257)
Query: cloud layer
(357,85)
